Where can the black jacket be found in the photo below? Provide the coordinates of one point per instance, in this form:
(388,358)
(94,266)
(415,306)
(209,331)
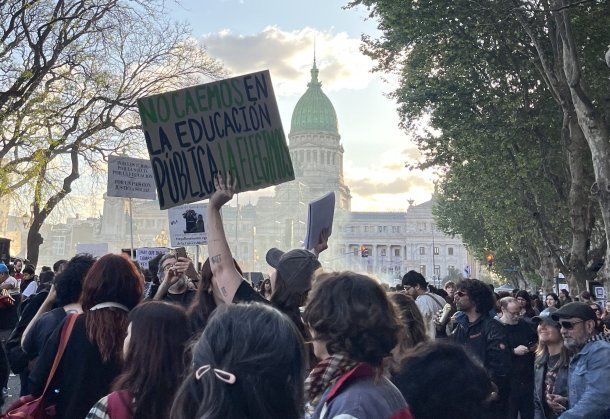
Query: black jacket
(486,339)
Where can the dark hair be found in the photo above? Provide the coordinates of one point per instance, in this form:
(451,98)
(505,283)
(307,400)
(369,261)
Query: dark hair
(353,315)
(439,292)
(529,310)
(565,292)
(413,278)
(58,264)
(153,267)
(11,269)
(29,269)
(479,293)
(585,295)
(155,361)
(263,349)
(289,302)
(112,278)
(203,304)
(423,382)
(413,331)
(555,297)
(45,279)
(69,283)
(45,269)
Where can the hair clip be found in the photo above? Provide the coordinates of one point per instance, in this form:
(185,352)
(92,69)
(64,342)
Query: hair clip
(222,375)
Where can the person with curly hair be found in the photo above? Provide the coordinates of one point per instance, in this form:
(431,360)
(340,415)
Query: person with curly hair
(483,337)
(354,328)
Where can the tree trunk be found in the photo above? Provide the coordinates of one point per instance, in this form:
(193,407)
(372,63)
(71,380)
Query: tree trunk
(592,124)
(547,272)
(40,213)
(579,202)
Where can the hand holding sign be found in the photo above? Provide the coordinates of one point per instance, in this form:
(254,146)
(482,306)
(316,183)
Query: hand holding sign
(225,189)
(322,243)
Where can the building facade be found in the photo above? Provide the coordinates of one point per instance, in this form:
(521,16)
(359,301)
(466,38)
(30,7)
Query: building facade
(395,241)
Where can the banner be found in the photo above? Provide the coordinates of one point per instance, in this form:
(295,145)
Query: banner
(96,250)
(130,178)
(145,254)
(231,125)
(187,225)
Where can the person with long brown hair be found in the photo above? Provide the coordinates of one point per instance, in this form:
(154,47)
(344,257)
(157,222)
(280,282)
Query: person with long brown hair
(206,300)
(155,362)
(92,359)
(551,367)
(412,332)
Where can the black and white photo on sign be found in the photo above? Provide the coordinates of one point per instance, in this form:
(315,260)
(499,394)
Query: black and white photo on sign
(187,225)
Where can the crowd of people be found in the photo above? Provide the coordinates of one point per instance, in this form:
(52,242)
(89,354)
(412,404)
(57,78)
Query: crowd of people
(103,339)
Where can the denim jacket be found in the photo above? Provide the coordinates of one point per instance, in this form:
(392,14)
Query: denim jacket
(588,381)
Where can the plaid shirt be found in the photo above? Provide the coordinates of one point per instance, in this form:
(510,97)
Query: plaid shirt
(99,410)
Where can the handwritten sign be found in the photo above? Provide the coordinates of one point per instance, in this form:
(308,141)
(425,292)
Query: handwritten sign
(231,125)
(130,178)
(146,254)
(187,225)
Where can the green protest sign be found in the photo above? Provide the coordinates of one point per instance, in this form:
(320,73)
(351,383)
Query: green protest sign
(229,125)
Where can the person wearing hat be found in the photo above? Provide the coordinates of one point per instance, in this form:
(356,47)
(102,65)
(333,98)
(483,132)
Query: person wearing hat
(550,367)
(589,371)
(291,280)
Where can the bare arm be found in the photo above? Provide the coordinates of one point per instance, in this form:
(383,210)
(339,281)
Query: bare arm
(225,277)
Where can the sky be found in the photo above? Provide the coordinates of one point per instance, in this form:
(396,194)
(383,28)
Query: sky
(253,35)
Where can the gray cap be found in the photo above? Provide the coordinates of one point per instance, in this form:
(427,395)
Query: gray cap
(546,317)
(576,309)
(296,267)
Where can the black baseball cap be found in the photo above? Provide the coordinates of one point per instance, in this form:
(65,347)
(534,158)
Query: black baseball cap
(546,316)
(576,309)
(296,267)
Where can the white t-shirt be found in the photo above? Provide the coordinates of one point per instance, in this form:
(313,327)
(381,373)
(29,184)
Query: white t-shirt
(429,305)
(30,289)
(11,284)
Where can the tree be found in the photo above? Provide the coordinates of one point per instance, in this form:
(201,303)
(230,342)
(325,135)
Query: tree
(75,71)
(497,130)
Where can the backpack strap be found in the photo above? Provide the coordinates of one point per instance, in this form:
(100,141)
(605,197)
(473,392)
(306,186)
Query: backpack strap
(66,331)
(119,405)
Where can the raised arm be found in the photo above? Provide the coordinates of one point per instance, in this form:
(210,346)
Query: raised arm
(226,278)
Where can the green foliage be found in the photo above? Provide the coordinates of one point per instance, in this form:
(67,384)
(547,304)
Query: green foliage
(495,128)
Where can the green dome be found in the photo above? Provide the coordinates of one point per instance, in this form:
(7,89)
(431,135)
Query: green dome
(314,111)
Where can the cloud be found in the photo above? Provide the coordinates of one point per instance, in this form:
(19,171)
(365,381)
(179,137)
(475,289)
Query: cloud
(365,187)
(288,55)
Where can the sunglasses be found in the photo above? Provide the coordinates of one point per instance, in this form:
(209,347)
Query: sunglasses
(569,325)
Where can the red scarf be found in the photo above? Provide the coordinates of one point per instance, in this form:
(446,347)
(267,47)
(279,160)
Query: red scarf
(324,376)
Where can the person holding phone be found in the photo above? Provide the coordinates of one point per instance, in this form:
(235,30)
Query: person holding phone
(174,272)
